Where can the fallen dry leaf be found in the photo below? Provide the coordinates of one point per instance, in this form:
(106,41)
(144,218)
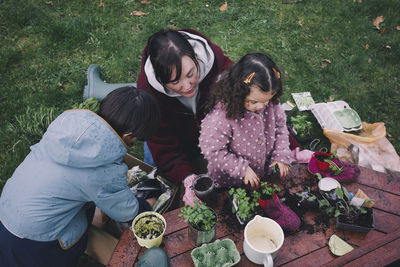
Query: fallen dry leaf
(223,7)
(359,1)
(378,21)
(138,13)
(388,47)
(49,3)
(389,135)
(369,60)
(385,30)
(366,46)
(398,28)
(331,99)
(145,2)
(101,4)
(300,23)
(327,60)
(60,85)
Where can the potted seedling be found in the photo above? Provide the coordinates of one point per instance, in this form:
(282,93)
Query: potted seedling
(149,228)
(306,199)
(348,217)
(243,205)
(268,192)
(301,128)
(202,221)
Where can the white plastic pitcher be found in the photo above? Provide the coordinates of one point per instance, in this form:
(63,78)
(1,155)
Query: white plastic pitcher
(263,237)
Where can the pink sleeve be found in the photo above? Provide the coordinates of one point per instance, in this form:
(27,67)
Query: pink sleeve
(215,138)
(281,152)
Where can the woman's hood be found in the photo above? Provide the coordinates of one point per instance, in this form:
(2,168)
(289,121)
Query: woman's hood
(82,139)
(204,55)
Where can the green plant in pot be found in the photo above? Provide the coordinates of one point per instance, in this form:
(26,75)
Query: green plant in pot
(306,199)
(348,217)
(202,221)
(301,127)
(243,204)
(267,192)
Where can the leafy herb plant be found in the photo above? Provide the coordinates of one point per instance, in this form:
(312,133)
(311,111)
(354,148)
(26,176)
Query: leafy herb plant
(341,206)
(301,125)
(200,216)
(246,204)
(268,189)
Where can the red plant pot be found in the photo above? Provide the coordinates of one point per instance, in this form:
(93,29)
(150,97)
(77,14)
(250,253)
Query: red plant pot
(263,203)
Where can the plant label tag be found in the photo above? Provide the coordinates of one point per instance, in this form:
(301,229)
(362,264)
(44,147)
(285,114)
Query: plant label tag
(356,201)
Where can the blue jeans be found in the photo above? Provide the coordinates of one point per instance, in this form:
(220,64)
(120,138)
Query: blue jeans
(148,158)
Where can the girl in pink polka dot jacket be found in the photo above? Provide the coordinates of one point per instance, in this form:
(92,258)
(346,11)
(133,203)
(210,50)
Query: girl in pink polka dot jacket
(245,134)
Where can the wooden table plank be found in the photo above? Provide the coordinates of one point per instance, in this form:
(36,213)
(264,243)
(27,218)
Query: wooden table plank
(382,256)
(380,180)
(385,222)
(369,247)
(126,250)
(317,258)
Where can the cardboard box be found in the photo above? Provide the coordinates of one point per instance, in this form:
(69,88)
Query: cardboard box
(102,241)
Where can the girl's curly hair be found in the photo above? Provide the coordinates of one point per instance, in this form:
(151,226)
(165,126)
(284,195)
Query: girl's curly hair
(231,90)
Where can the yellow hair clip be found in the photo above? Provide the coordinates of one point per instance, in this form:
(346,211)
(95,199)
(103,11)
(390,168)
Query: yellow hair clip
(276,73)
(248,79)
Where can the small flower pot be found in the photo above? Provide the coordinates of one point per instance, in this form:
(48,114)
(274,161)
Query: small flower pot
(198,237)
(204,188)
(264,200)
(149,228)
(301,140)
(235,209)
(306,200)
(327,188)
(363,224)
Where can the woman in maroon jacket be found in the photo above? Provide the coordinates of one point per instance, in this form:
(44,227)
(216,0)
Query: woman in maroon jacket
(178,69)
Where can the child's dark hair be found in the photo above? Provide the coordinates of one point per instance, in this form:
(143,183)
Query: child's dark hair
(165,50)
(231,90)
(128,109)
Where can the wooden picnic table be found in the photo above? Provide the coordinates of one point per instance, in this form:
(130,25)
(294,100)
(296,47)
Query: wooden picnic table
(306,247)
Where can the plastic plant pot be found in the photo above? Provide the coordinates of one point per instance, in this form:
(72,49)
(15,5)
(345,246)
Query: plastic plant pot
(204,188)
(363,224)
(149,228)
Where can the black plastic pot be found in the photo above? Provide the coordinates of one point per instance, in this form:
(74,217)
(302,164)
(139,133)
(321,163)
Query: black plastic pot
(301,140)
(235,210)
(303,200)
(204,188)
(364,223)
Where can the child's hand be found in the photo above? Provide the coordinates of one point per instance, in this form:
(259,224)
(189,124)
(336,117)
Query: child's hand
(252,178)
(283,168)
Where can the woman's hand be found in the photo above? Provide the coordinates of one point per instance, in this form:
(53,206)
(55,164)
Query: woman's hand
(252,178)
(283,168)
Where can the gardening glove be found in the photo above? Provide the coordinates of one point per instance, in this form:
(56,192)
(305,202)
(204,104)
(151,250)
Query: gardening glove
(189,195)
(302,156)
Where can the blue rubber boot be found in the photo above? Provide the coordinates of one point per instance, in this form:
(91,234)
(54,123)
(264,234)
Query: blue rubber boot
(154,257)
(96,87)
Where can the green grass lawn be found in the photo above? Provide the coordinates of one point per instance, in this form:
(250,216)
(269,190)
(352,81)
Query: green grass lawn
(328,47)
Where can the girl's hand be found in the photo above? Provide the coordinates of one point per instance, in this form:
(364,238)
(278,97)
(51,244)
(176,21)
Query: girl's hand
(252,178)
(283,168)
